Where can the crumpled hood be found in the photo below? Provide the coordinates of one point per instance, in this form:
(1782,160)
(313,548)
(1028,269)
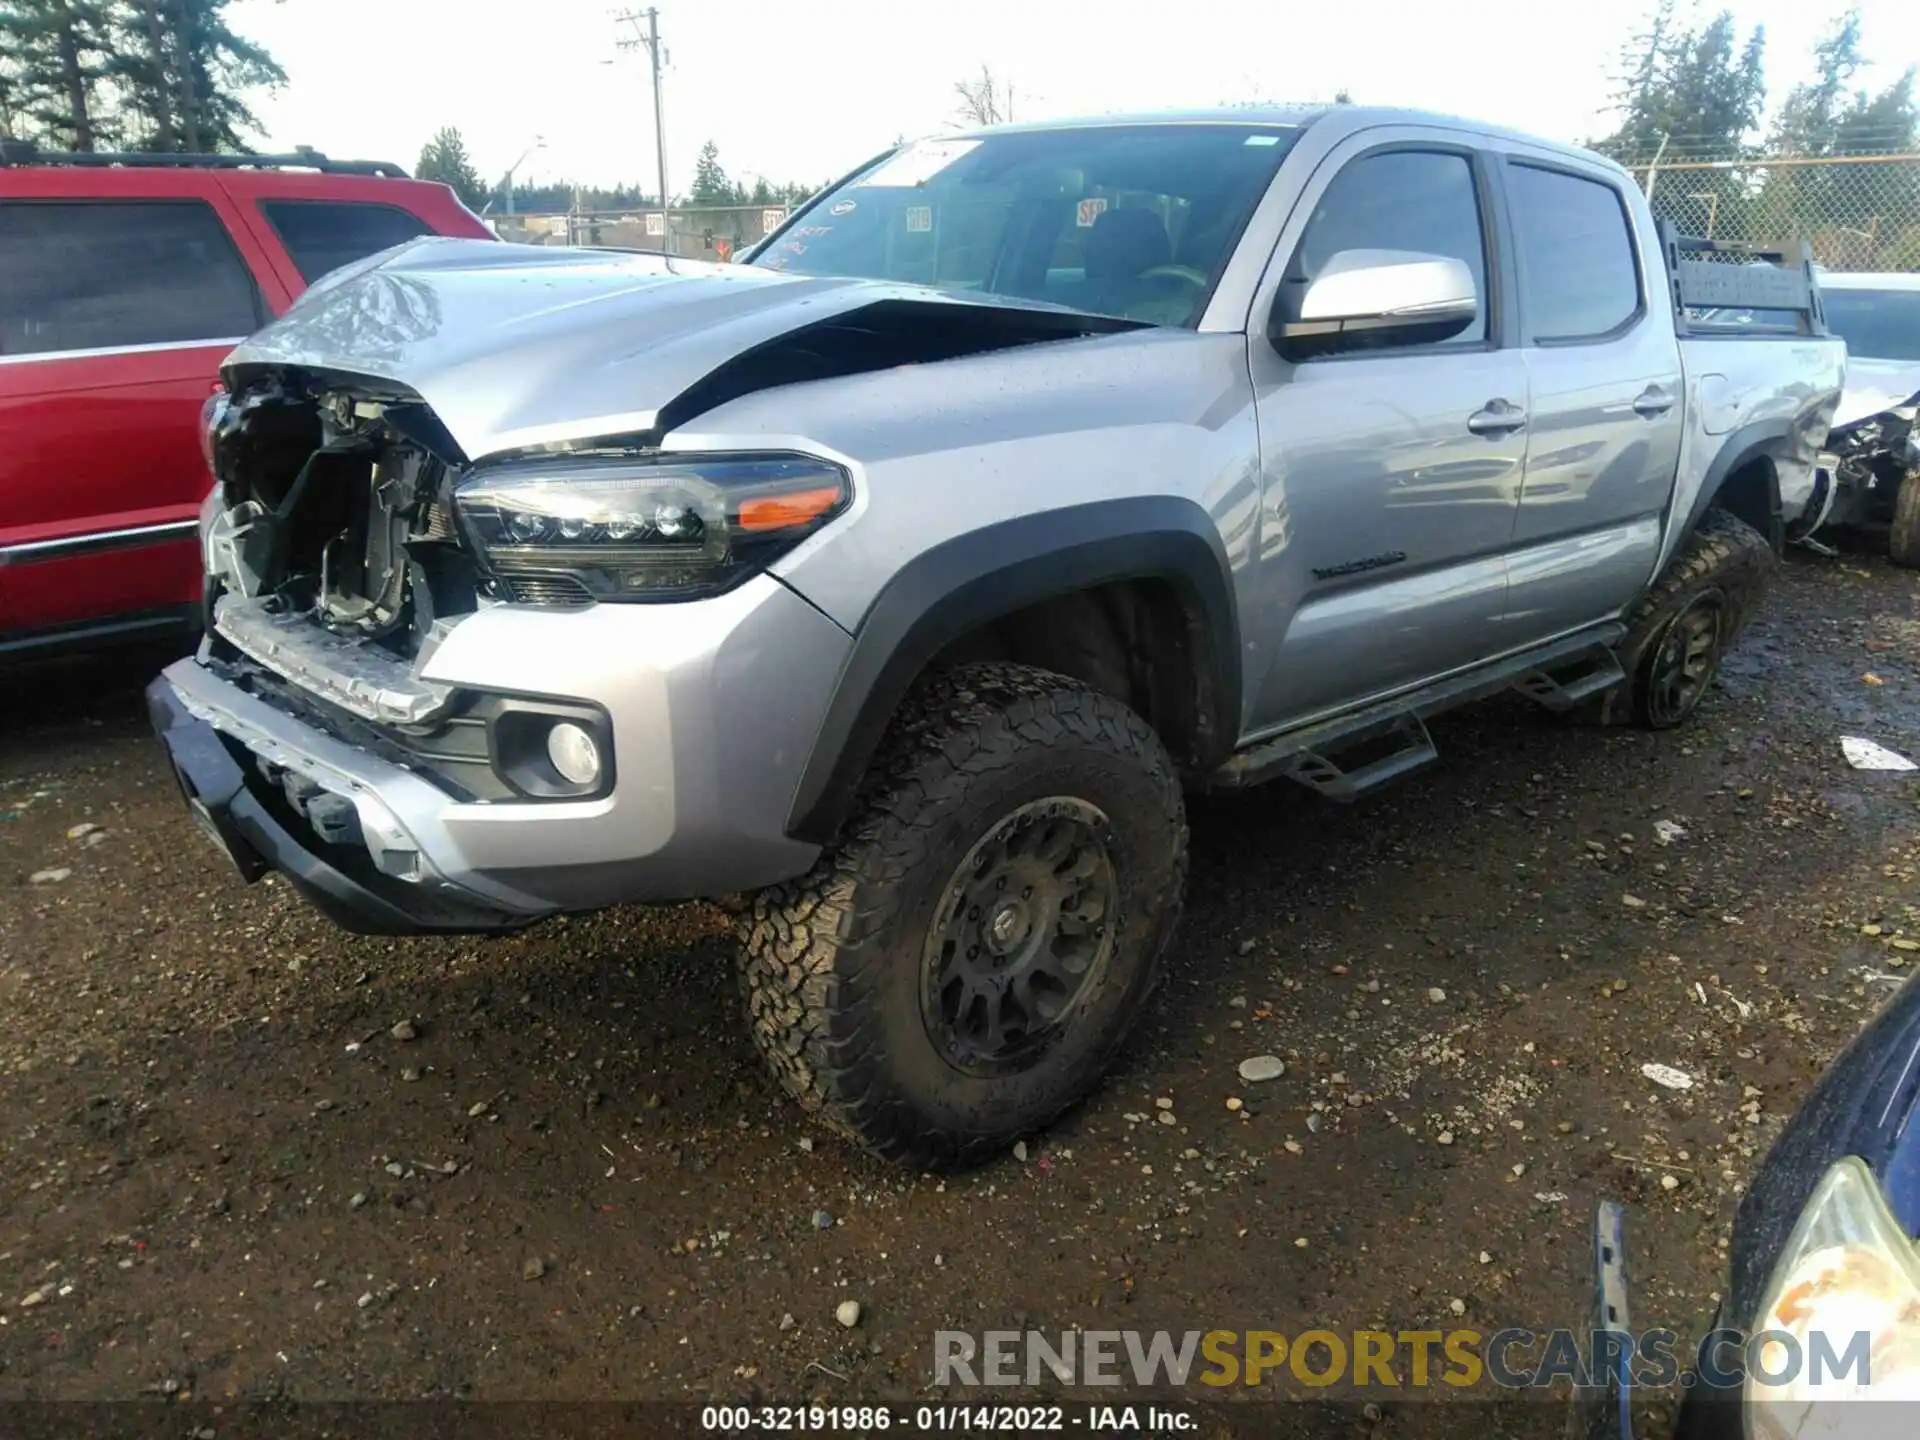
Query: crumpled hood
(1874,387)
(517,345)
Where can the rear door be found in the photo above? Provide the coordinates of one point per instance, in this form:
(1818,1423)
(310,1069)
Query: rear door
(1603,367)
(1388,476)
(321,235)
(115,313)
(309,224)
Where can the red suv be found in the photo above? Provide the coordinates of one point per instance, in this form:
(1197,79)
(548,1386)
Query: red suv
(124,281)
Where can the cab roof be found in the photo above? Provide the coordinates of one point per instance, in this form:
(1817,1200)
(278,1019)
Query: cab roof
(1347,118)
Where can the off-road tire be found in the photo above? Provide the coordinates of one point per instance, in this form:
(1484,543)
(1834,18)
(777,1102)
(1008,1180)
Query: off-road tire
(832,964)
(1723,565)
(1903,535)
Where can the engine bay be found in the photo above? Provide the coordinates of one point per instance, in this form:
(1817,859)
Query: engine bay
(335,506)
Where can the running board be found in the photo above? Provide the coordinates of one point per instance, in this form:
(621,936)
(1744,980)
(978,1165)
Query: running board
(1345,757)
(1564,686)
(1356,763)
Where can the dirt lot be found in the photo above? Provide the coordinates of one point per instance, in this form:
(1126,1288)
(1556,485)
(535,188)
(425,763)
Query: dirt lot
(221,1173)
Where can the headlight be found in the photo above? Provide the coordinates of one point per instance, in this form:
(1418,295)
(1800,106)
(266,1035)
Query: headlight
(644,528)
(1848,1271)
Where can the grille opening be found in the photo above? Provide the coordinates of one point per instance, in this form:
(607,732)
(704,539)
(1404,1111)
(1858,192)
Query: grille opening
(546,589)
(336,509)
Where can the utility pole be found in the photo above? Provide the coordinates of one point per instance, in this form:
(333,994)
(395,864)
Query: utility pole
(649,39)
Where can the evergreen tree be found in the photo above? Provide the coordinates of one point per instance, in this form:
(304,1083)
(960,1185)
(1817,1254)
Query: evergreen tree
(1698,90)
(1858,216)
(444,158)
(182,73)
(53,56)
(710,183)
(11,126)
(1826,116)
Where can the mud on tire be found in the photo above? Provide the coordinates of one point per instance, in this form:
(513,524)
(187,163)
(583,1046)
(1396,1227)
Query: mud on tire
(871,988)
(1903,534)
(1680,629)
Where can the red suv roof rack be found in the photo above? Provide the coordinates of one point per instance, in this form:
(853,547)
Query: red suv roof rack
(304,157)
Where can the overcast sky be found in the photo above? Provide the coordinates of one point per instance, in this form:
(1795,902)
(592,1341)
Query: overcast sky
(803,91)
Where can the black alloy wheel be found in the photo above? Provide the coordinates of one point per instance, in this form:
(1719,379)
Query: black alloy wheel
(1020,934)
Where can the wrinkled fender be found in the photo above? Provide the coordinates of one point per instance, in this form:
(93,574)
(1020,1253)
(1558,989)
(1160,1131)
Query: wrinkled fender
(1771,439)
(970,581)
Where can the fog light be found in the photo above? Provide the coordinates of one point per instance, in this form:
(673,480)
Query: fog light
(573,753)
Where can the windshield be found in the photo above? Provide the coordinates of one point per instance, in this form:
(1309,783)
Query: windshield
(1876,324)
(1129,220)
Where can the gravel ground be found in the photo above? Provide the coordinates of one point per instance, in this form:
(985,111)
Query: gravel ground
(244,1155)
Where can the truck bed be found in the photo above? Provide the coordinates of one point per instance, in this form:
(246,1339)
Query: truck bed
(1759,363)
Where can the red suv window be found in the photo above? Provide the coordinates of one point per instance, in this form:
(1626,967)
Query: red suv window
(105,274)
(323,235)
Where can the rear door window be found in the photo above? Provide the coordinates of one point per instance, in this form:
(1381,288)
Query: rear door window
(1578,275)
(323,235)
(108,274)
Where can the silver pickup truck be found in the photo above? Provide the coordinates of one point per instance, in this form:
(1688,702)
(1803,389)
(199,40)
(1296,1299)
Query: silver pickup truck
(906,574)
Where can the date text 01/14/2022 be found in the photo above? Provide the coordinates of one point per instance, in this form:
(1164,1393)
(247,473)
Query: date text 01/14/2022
(944,1419)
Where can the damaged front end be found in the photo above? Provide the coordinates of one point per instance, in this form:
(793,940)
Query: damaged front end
(334,574)
(330,547)
(1860,476)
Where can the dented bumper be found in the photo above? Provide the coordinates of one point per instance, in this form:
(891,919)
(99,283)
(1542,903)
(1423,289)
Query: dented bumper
(711,710)
(240,811)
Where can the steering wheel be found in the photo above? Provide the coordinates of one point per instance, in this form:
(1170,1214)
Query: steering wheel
(1174,272)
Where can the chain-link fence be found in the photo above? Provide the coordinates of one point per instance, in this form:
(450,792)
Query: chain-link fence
(700,233)
(1858,212)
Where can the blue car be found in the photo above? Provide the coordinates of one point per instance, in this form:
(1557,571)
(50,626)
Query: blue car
(1823,1310)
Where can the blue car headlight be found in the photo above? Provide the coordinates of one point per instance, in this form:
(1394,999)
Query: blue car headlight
(1841,1321)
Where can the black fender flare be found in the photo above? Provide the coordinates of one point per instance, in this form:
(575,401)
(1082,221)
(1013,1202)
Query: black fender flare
(969,581)
(1771,439)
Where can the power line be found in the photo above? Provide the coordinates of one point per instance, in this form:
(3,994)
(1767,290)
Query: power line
(649,40)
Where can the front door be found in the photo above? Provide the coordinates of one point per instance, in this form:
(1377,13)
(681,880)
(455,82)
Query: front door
(1389,475)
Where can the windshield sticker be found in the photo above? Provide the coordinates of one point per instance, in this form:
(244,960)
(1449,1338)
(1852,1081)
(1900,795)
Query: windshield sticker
(919,218)
(843,207)
(811,232)
(1262,140)
(1091,209)
(918,163)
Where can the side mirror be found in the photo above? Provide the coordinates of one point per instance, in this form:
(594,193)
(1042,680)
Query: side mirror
(1370,299)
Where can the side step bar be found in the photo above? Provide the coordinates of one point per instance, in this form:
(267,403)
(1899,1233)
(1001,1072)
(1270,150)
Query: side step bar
(1349,755)
(1362,762)
(1563,687)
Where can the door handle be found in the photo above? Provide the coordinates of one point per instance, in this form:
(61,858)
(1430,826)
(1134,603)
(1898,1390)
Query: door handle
(1652,402)
(1497,417)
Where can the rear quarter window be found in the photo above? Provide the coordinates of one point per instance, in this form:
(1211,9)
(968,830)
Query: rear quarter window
(109,274)
(323,235)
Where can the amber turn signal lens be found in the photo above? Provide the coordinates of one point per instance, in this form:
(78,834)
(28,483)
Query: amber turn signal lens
(780,512)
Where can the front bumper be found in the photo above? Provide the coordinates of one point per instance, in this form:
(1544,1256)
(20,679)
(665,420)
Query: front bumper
(237,809)
(714,707)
